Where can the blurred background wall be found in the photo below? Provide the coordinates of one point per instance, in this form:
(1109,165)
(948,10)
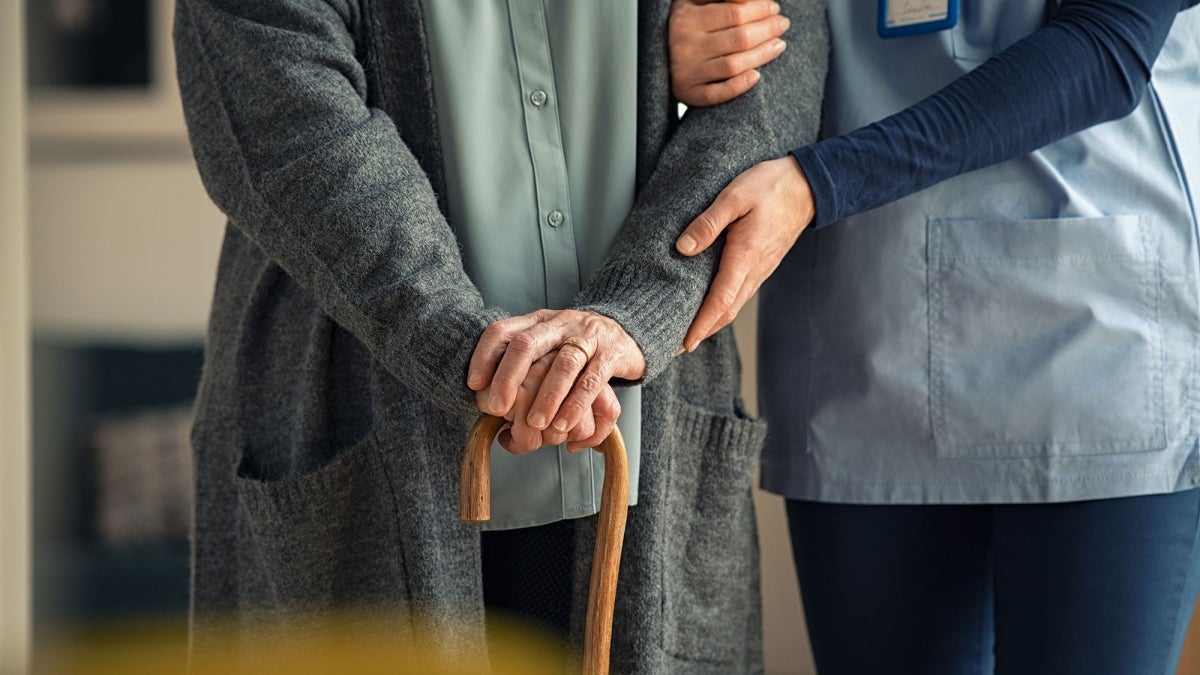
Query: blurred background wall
(14,349)
(123,246)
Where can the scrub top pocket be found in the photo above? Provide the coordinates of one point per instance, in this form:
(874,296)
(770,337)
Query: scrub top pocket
(1045,338)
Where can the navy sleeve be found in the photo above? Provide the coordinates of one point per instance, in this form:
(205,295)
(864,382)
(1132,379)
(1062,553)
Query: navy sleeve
(1089,64)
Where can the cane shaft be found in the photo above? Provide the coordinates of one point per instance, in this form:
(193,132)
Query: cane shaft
(606,561)
(474,505)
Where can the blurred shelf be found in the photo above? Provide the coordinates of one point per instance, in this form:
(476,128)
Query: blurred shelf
(90,583)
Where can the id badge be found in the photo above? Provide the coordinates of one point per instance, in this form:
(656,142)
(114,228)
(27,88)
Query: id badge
(898,18)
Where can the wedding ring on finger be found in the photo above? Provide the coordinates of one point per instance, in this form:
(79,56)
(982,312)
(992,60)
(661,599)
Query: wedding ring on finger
(574,342)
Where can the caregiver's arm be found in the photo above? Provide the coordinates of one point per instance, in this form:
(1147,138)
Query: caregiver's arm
(1089,64)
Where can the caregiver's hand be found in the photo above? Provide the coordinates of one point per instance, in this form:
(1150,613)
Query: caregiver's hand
(519,438)
(716,47)
(765,209)
(591,350)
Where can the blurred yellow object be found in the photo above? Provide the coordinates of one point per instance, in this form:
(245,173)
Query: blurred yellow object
(338,645)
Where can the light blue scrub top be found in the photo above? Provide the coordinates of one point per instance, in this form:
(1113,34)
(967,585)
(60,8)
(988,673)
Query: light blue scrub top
(536,103)
(1028,332)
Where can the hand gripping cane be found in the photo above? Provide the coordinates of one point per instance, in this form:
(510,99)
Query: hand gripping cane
(475,506)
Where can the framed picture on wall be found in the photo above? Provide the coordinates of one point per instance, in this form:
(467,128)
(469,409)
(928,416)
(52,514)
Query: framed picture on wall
(102,72)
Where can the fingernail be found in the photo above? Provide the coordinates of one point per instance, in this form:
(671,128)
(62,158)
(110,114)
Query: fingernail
(686,244)
(780,45)
(474,380)
(494,403)
(681,350)
(775,8)
(787,23)
(755,76)
(537,421)
(690,346)
(560,426)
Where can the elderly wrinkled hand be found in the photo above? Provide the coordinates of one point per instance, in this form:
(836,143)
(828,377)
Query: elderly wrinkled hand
(548,373)
(717,47)
(765,209)
(519,438)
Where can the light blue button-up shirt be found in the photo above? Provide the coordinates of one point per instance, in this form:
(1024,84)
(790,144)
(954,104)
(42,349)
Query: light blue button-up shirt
(536,103)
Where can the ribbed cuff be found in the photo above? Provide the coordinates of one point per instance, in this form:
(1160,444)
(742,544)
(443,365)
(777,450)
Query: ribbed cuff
(650,319)
(820,183)
(441,353)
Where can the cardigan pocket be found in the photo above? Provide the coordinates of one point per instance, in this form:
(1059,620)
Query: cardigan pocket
(1045,338)
(711,590)
(327,539)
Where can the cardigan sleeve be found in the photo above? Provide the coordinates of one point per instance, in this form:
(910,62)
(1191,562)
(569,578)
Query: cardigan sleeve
(275,102)
(649,288)
(1089,64)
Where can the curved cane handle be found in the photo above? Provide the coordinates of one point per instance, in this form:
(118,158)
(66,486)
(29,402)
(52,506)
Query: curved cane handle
(474,505)
(475,490)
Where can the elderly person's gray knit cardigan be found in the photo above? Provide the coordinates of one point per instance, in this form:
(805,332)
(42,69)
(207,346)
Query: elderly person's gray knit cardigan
(333,409)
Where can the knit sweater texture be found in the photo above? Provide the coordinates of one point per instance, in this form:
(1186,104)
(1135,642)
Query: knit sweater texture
(332,410)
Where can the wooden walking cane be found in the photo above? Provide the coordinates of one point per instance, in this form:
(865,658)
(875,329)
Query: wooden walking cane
(475,506)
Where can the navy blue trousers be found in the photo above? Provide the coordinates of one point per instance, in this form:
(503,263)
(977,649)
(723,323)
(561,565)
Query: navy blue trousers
(1097,588)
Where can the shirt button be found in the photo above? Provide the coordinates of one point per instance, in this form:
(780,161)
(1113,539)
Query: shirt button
(555,218)
(538,97)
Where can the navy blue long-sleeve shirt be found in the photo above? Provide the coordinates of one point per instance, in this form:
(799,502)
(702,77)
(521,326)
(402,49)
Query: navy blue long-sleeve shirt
(1089,64)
